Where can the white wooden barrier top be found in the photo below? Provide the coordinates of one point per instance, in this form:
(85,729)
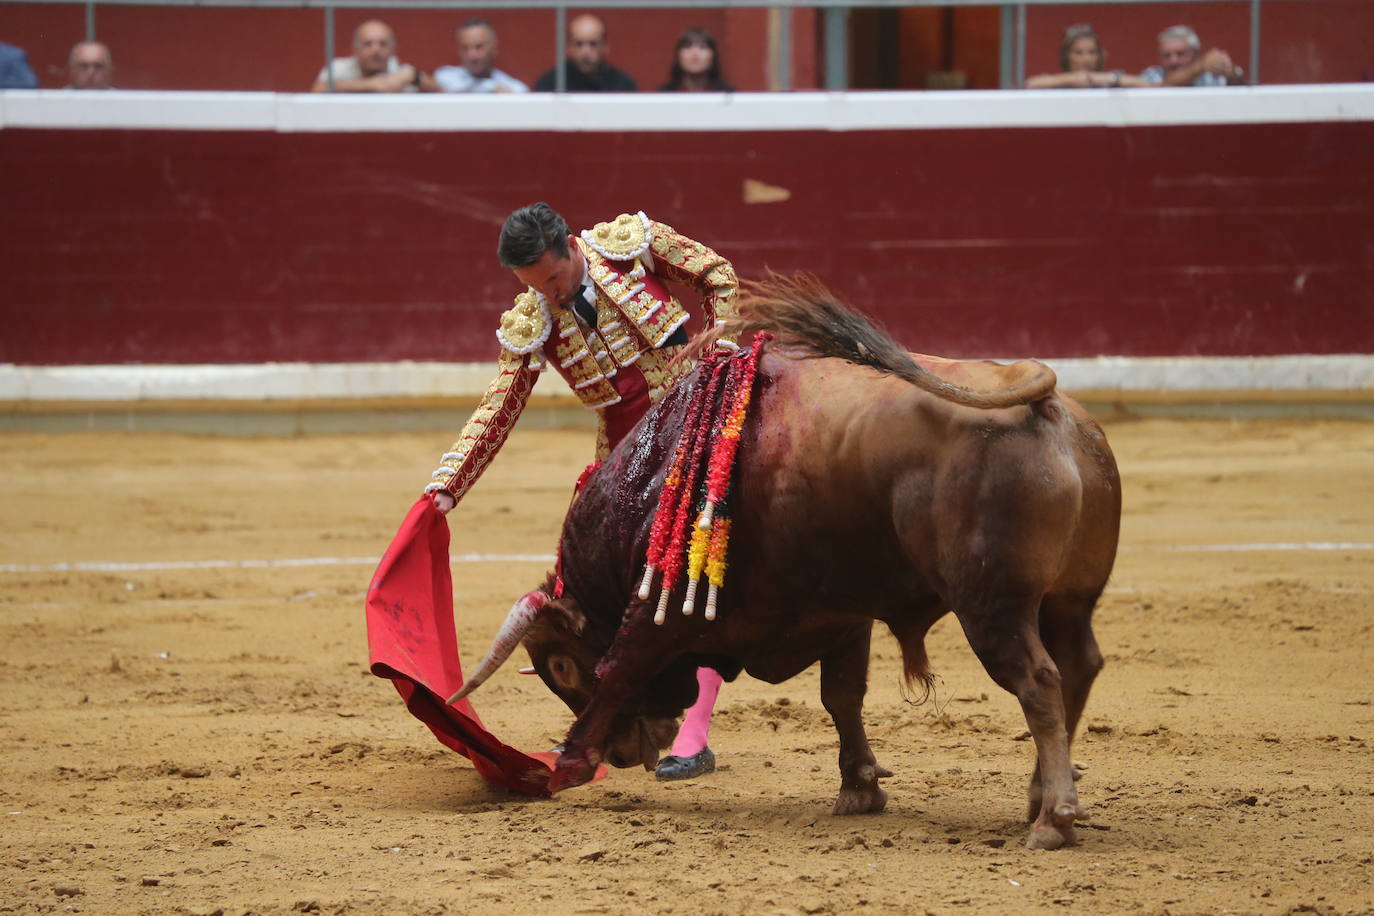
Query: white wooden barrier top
(743,111)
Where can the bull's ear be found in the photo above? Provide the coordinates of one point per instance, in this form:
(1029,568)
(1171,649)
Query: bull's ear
(565,615)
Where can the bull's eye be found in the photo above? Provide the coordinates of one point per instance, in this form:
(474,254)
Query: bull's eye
(563,670)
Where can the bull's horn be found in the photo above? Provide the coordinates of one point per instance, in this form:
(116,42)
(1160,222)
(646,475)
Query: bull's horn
(518,621)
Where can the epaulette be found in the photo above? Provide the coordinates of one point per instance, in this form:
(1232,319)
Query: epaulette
(622,239)
(526,325)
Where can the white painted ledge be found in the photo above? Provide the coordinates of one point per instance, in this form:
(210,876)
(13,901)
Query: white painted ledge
(638,112)
(269,382)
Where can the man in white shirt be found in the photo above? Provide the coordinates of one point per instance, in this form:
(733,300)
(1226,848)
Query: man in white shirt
(478,73)
(373,66)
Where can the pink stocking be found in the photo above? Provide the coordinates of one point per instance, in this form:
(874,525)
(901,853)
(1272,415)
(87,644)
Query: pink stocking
(691,737)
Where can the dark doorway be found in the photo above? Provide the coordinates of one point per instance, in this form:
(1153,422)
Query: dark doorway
(941,47)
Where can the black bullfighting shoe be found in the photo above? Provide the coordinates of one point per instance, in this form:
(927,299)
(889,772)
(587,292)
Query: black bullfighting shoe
(699,764)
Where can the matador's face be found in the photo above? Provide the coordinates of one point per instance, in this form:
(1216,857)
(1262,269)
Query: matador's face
(554,277)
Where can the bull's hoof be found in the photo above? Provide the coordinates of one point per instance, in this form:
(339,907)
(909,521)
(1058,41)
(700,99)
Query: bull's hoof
(860,801)
(1042,837)
(1055,831)
(699,764)
(568,773)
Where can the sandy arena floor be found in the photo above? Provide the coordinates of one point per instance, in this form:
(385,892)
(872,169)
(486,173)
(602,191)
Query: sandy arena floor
(206,738)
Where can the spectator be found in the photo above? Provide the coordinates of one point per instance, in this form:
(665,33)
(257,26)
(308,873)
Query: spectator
(696,65)
(477,50)
(586,67)
(373,66)
(89,66)
(1082,64)
(15,72)
(1182,63)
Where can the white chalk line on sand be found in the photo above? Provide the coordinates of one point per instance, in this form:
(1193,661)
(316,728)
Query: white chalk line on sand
(1242,548)
(158,566)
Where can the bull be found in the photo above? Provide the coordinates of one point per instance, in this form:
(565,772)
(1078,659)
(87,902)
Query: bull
(868,489)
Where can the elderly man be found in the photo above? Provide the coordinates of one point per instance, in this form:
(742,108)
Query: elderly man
(478,73)
(1182,63)
(586,67)
(89,66)
(597,311)
(373,66)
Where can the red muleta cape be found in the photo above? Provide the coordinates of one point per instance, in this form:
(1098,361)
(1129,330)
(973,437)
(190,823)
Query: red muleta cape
(413,643)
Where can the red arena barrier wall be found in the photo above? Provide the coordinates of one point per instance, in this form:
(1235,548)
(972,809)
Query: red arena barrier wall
(1137,229)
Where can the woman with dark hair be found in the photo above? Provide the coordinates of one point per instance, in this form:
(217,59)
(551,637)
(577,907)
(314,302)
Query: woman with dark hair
(1082,62)
(696,65)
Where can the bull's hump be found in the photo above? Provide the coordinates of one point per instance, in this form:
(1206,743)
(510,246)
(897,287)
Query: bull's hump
(984,376)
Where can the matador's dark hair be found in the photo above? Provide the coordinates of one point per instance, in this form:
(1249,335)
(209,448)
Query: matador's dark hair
(528,233)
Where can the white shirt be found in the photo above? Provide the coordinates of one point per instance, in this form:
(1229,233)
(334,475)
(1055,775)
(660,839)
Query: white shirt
(459,79)
(346,68)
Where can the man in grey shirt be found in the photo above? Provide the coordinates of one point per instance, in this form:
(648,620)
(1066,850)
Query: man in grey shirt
(478,73)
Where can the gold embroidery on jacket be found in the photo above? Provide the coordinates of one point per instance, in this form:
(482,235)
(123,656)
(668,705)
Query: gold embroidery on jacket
(631,324)
(576,352)
(660,373)
(624,238)
(682,260)
(486,430)
(526,325)
(645,317)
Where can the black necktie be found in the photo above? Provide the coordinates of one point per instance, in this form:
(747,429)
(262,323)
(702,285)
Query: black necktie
(585,309)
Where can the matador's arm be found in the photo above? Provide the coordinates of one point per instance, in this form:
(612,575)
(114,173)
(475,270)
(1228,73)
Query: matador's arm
(691,263)
(523,331)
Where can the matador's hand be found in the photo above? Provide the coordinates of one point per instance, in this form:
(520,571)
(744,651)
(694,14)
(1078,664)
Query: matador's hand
(443,501)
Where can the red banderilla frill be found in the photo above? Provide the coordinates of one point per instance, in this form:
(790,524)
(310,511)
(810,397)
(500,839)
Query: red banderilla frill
(709,442)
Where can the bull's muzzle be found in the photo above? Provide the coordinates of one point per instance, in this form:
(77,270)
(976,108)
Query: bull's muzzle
(638,744)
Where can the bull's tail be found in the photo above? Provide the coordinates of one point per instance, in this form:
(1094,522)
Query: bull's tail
(800,311)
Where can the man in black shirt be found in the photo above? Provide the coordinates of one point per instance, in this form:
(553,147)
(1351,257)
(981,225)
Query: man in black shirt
(586,66)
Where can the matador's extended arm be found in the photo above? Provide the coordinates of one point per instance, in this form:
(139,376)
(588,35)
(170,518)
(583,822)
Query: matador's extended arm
(524,329)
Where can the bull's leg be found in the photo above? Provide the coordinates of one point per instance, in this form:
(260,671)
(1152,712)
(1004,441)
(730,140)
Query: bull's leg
(637,653)
(844,681)
(1066,630)
(1006,638)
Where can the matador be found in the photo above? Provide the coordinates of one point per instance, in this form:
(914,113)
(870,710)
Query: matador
(597,310)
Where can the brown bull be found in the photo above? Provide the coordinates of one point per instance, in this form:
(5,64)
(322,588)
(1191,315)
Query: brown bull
(867,489)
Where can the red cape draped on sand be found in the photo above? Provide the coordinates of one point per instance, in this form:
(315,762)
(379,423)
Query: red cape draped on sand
(412,642)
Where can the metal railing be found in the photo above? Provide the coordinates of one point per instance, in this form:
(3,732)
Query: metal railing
(1011,52)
